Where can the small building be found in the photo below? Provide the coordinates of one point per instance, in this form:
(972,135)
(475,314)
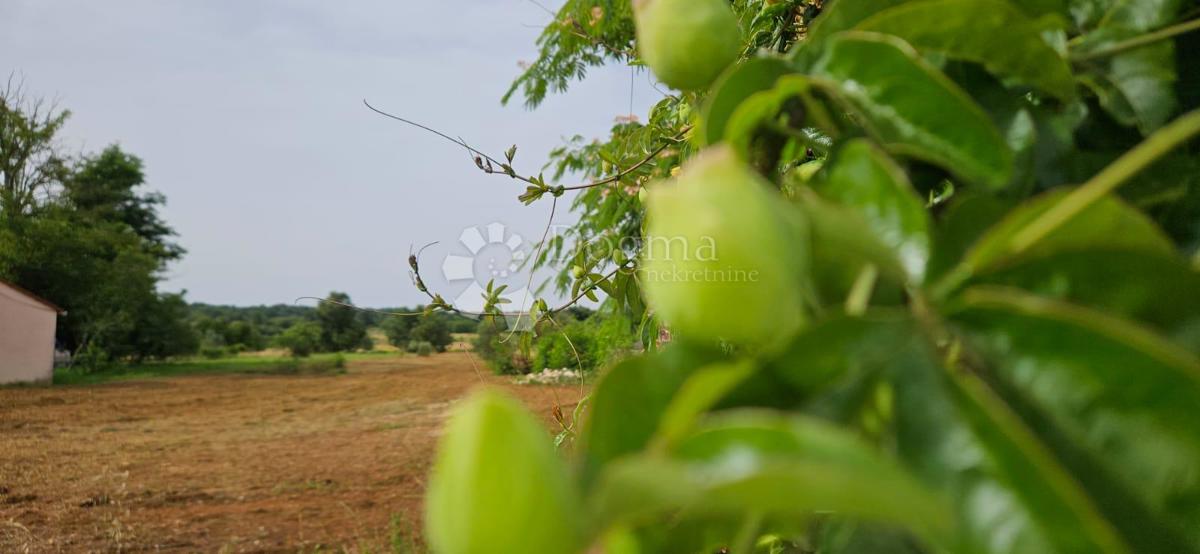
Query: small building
(27,326)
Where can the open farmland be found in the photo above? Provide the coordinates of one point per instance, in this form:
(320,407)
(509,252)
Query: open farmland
(231,462)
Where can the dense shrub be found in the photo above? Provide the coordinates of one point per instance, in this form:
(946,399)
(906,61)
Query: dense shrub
(501,353)
(301,339)
(214,352)
(424,349)
(434,330)
(589,345)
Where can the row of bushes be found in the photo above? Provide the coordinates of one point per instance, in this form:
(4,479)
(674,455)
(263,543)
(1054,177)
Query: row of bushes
(578,341)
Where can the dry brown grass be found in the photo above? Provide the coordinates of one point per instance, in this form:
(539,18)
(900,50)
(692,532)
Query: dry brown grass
(233,463)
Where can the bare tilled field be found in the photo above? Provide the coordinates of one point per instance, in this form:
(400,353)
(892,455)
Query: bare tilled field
(231,463)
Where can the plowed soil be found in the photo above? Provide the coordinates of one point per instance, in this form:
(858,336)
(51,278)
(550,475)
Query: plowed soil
(231,463)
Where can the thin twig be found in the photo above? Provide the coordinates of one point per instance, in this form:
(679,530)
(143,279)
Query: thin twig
(507,169)
(536,255)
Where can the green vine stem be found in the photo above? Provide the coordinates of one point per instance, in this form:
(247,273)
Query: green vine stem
(1143,155)
(1140,41)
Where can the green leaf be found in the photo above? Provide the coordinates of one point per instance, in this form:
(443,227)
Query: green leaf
(842,15)
(866,180)
(841,346)
(842,246)
(1163,292)
(1067,516)
(756,462)
(938,445)
(735,86)
(699,393)
(1107,223)
(1143,15)
(788,104)
(1135,87)
(990,32)
(967,218)
(498,485)
(629,400)
(1127,394)
(1011,493)
(912,108)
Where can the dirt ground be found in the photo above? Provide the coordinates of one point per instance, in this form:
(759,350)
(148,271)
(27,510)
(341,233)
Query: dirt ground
(231,463)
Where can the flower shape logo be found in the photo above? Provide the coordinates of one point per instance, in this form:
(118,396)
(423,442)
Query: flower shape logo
(493,253)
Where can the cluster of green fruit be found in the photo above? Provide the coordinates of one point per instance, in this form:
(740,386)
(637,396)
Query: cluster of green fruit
(748,289)
(495,471)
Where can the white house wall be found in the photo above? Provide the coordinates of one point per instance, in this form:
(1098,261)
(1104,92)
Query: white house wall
(26,338)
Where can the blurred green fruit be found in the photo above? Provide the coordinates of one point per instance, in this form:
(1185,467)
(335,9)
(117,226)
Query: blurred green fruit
(687,42)
(497,484)
(725,257)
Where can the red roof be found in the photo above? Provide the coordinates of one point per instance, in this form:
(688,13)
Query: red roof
(34,297)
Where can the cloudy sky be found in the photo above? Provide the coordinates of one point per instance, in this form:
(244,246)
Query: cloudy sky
(248,116)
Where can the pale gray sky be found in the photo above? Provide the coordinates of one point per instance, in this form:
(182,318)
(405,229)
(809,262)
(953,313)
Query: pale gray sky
(248,116)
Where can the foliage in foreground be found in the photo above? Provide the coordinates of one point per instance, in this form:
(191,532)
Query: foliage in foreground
(978,217)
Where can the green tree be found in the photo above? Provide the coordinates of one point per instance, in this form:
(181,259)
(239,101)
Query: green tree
(32,165)
(301,339)
(161,329)
(433,329)
(95,270)
(106,186)
(397,329)
(243,333)
(81,236)
(341,330)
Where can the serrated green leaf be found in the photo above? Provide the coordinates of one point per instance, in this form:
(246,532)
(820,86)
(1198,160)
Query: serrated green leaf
(990,32)
(912,108)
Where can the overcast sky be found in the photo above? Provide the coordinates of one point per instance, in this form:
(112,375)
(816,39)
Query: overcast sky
(280,183)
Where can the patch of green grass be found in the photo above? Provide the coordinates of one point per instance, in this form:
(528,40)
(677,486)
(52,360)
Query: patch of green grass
(238,365)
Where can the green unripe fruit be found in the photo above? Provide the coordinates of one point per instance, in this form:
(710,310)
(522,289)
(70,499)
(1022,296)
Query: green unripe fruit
(497,484)
(577,272)
(725,257)
(687,42)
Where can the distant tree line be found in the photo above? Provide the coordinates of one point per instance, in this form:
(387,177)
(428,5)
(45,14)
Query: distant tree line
(329,327)
(84,231)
